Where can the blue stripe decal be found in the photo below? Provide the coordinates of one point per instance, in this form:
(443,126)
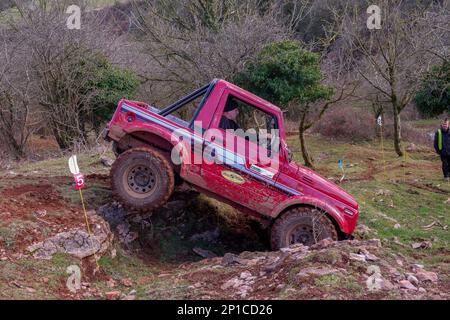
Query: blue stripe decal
(226,154)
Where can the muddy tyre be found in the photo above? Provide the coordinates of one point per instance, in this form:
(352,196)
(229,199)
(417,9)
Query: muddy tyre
(301,225)
(142,179)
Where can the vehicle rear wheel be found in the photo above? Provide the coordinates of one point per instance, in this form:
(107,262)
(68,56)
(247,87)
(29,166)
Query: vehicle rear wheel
(142,179)
(304,225)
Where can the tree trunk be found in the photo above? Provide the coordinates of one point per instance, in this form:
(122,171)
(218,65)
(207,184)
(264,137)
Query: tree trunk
(301,135)
(397,131)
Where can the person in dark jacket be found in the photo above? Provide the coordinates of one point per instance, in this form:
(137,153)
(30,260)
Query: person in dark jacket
(442,147)
(230,114)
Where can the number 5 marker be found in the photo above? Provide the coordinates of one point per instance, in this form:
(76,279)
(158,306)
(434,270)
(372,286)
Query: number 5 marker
(79,184)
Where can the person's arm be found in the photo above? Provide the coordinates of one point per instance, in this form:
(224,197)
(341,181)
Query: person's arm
(436,147)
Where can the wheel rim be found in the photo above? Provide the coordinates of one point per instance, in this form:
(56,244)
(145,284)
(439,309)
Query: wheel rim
(140,180)
(301,233)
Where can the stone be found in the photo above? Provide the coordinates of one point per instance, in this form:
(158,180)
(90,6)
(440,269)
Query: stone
(382,192)
(422,290)
(322,244)
(232,283)
(126,282)
(418,266)
(413,280)
(111,283)
(107,162)
(374,243)
(423,275)
(422,245)
(357,257)
(369,256)
(229,259)
(386,285)
(244,275)
(275,265)
(405,284)
(113,295)
(397,226)
(76,242)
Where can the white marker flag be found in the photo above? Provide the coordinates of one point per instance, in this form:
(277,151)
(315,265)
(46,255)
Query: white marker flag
(379,121)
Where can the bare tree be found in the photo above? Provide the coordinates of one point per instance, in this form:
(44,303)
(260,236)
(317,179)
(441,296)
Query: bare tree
(63,63)
(17,120)
(188,43)
(392,58)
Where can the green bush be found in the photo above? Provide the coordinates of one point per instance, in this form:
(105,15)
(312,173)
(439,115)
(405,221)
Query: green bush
(111,85)
(433,97)
(284,72)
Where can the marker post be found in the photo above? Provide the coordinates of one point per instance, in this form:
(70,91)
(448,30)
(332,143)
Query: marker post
(79,185)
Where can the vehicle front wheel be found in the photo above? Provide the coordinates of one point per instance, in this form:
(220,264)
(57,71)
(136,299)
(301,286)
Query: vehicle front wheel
(304,225)
(142,179)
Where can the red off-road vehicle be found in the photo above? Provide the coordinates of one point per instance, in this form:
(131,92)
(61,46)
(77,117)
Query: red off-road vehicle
(157,149)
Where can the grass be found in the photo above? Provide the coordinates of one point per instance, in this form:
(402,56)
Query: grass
(88,164)
(416,194)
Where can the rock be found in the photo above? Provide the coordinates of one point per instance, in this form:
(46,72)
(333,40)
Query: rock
(111,283)
(40,213)
(112,295)
(275,265)
(126,236)
(204,253)
(232,283)
(422,290)
(382,192)
(405,284)
(244,275)
(322,244)
(422,245)
(386,285)
(126,282)
(417,266)
(413,280)
(357,257)
(368,255)
(423,275)
(107,162)
(30,290)
(397,226)
(229,259)
(76,242)
(373,243)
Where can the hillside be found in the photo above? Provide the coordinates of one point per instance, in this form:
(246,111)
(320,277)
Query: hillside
(406,207)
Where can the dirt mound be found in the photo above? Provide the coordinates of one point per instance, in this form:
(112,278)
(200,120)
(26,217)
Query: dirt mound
(333,270)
